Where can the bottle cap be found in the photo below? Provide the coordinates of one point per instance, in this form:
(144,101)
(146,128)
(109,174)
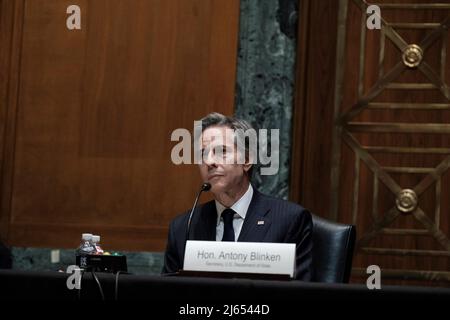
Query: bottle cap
(86,236)
(96,238)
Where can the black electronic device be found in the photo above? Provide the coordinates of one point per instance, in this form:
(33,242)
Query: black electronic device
(102,263)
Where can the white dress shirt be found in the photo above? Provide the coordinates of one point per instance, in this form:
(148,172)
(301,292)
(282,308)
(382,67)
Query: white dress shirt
(240,207)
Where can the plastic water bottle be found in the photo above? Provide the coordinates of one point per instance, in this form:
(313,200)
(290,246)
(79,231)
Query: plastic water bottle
(86,246)
(84,249)
(96,244)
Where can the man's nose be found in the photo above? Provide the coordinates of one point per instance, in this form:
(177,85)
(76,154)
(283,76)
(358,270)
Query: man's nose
(209,158)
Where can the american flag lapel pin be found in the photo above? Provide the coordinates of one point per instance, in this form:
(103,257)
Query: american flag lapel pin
(260,222)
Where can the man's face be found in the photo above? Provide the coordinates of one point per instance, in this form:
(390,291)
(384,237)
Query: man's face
(220,160)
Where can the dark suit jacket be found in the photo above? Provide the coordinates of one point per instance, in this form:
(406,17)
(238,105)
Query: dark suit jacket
(284,222)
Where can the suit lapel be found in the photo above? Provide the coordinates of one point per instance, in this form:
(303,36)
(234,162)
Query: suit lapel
(256,222)
(205,222)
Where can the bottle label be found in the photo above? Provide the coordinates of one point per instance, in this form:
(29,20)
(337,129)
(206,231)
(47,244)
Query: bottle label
(87,249)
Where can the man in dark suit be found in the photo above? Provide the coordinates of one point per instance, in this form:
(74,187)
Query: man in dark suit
(238,212)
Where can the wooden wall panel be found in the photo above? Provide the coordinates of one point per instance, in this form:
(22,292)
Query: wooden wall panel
(313,116)
(95,110)
(11,17)
(396,139)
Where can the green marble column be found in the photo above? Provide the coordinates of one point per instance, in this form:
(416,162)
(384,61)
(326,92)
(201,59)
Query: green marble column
(265,77)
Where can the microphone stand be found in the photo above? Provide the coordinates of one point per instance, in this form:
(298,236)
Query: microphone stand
(205,187)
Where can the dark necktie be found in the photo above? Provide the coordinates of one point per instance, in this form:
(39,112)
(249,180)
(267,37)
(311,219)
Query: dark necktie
(228,231)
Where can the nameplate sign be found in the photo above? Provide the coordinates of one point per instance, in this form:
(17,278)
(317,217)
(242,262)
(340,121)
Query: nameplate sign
(240,257)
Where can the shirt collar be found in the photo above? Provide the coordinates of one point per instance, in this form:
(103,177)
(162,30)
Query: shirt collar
(240,206)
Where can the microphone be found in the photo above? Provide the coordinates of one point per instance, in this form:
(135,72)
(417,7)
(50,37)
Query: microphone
(205,187)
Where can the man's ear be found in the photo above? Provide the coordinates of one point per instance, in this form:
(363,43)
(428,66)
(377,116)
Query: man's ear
(249,161)
(247,166)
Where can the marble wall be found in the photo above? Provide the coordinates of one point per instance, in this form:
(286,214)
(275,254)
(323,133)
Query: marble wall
(265,78)
(40,259)
(264,97)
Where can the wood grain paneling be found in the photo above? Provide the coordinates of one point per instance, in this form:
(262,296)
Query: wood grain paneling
(313,119)
(11,22)
(397,138)
(90,128)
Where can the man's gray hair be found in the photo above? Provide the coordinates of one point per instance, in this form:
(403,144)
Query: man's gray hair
(216,119)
